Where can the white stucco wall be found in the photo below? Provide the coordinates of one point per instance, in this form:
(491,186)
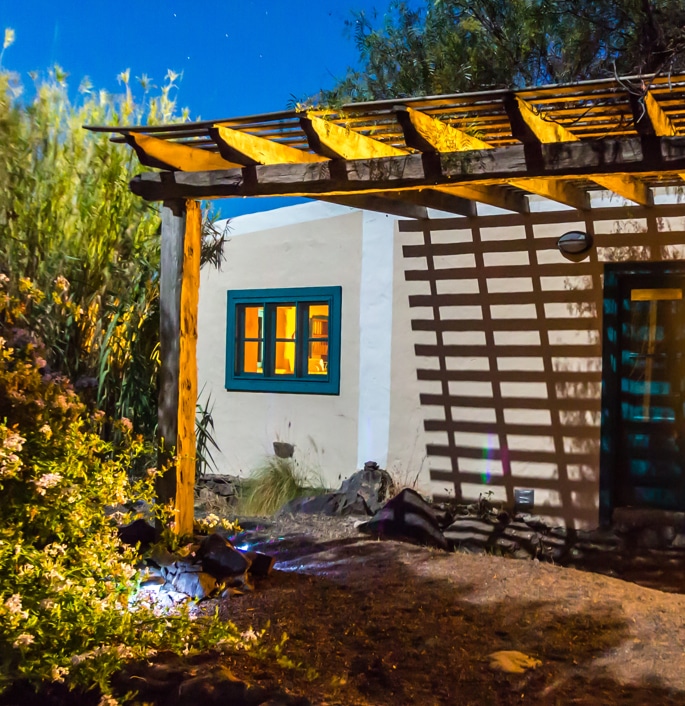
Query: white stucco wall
(498,331)
(308,245)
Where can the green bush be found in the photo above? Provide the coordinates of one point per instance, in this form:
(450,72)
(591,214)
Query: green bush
(66,582)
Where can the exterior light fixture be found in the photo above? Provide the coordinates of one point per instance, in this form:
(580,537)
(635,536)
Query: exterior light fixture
(575,244)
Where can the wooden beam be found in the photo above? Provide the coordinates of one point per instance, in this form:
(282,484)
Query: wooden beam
(589,159)
(328,138)
(650,119)
(179,288)
(252,150)
(332,140)
(394,205)
(532,128)
(162,154)
(246,149)
(426,133)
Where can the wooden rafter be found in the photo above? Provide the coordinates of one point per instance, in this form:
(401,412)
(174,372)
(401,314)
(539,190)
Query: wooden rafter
(426,133)
(334,141)
(650,119)
(250,150)
(162,154)
(533,128)
(587,159)
(245,148)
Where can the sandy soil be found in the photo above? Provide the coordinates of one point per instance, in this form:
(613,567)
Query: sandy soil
(391,623)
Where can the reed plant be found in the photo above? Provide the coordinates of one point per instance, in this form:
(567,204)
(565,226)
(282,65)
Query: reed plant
(71,226)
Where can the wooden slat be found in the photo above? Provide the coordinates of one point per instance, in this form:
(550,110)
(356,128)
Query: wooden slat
(592,159)
(162,154)
(651,119)
(244,148)
(426,133)
(529,126)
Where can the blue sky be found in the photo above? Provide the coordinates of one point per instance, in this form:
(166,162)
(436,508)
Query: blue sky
(237,57)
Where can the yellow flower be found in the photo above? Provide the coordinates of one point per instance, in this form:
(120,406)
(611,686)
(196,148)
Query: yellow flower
(9,38)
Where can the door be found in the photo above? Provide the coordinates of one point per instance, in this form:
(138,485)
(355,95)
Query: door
(650,435)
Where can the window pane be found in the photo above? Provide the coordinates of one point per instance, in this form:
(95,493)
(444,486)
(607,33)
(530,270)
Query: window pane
(317,356)
(286,318)
(284,363)
(318,321)
(252,357)
(317,363)
(253,350)
(254,316)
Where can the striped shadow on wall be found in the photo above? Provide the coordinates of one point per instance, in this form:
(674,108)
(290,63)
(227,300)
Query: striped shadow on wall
(508,344)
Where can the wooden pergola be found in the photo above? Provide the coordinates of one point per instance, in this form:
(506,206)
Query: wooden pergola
(399,157)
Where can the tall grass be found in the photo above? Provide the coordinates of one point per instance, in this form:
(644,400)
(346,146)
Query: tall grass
(274,483)
(69,223)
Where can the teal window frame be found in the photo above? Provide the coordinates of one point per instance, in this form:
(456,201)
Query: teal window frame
(300,382)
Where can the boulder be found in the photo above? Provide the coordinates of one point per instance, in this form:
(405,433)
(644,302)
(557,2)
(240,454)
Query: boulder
(372,483)
(406,516)
(138,532)
(220,559)
(338,504)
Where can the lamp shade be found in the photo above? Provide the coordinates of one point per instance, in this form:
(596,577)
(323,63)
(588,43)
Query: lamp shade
(575,242)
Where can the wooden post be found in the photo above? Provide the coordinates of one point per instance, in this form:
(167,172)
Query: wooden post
(179,290)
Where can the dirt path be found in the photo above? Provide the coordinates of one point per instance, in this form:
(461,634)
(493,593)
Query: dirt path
(391,623)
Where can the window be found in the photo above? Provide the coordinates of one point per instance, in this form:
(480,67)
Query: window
(284,340)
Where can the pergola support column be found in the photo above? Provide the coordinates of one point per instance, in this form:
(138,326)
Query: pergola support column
(179,290)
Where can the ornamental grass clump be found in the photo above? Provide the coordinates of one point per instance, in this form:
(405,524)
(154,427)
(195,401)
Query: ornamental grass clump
(66,582)
(274,483)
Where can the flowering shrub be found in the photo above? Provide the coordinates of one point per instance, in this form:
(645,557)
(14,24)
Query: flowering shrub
(66,582)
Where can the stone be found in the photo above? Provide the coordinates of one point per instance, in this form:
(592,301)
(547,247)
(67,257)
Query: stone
(261,564)
(372,483)
(220,559)
(338,504)
(138,532)
(406,516)
(196,584)
(679,541)
(283,449)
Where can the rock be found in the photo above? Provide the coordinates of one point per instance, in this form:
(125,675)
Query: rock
(138,532)
(217,688)
(196,584)
(372,483)
(282,449)
(220,559)
(406,516)
(512,661)
(261,564)
(339,504)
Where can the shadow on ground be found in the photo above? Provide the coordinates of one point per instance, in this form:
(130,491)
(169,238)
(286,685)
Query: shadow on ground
(379,631)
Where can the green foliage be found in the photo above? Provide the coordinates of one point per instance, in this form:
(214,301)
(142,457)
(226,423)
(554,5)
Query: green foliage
(446,46)
(69,223)
(66,583)
(274,483)
(204,437)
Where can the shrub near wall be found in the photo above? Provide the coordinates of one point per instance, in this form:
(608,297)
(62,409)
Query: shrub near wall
(66,582)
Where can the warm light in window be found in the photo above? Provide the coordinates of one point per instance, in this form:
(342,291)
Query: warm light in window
(317,357)
(286,338)
(253,349)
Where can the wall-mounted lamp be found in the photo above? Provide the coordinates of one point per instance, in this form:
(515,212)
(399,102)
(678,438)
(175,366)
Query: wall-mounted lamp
(575,244)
